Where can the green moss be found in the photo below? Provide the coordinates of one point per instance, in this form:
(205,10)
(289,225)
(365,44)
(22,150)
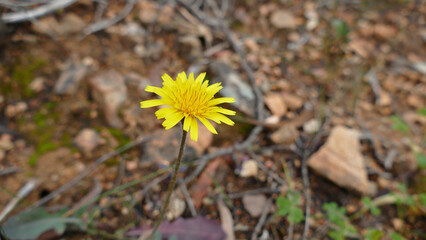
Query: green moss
(21,76)
(118,134)
(45,136)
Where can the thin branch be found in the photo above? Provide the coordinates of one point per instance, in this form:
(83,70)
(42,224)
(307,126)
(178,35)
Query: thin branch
(24,191)
(8,171)
(33,13)
(102,24)
(187,197)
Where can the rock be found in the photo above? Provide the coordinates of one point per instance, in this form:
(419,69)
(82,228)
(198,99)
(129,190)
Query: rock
(282,18)
(153,50)
(285,134)
(13,110)
(340,160)
(70,78)
(163,149)
(176,207)
(276,104)
(293,102)
(311,126)
(37,85)
(132,30)
(71,24)
(234,86)
(110,92)
(6,142)
(254,204)
(249,169)
(148,12)
(87,140)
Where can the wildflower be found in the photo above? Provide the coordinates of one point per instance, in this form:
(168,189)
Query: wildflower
(189,99)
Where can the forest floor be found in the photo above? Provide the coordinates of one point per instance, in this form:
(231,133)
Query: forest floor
(329,140)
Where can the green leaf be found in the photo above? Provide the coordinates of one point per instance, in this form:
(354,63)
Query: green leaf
(334,213)
(375,211)
(422,111)
(401,187)
(341,28)
(422,197)
(396,236)
(421,160)
(336,235)
(373,234)
(31,224)
(296,215)
(399,124)
(284,206)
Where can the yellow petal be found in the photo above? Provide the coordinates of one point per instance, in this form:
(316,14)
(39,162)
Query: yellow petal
(172,120)
(207,124)
(164,112)
(200,78)
(152,103)
(167,80)
(186,123)
(225,111)
(194,129)
(156,90)
(217,117)
(217,101)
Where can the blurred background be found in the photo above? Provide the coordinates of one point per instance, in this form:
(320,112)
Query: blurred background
(329,140)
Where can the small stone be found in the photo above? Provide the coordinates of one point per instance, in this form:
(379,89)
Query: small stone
(285,134)
(87,140)
(147,12)
(37,85)
(340,160)
(110,92)
(177,207)
(254,204)
(311,126)
(70,78)
(397,223)
(2,154)
(13,110)
(293,102)
(131,165)
(234,86)
(6,142)
(249,169)
(276,104)
(415,101)
(281,18)
(71,24)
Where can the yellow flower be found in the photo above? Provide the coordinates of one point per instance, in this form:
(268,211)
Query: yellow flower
(190,100)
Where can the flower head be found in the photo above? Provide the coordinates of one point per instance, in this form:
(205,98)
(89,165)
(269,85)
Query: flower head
(189,99)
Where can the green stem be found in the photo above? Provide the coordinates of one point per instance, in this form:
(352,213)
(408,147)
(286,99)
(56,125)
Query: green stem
(171,186)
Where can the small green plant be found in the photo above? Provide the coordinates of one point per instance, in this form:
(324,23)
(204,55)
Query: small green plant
(339,222)
(375,211)
(373,234)
(396,236)
(399,124)
(289,206)
(341,28)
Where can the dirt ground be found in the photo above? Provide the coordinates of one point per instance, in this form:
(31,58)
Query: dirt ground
(330,108)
